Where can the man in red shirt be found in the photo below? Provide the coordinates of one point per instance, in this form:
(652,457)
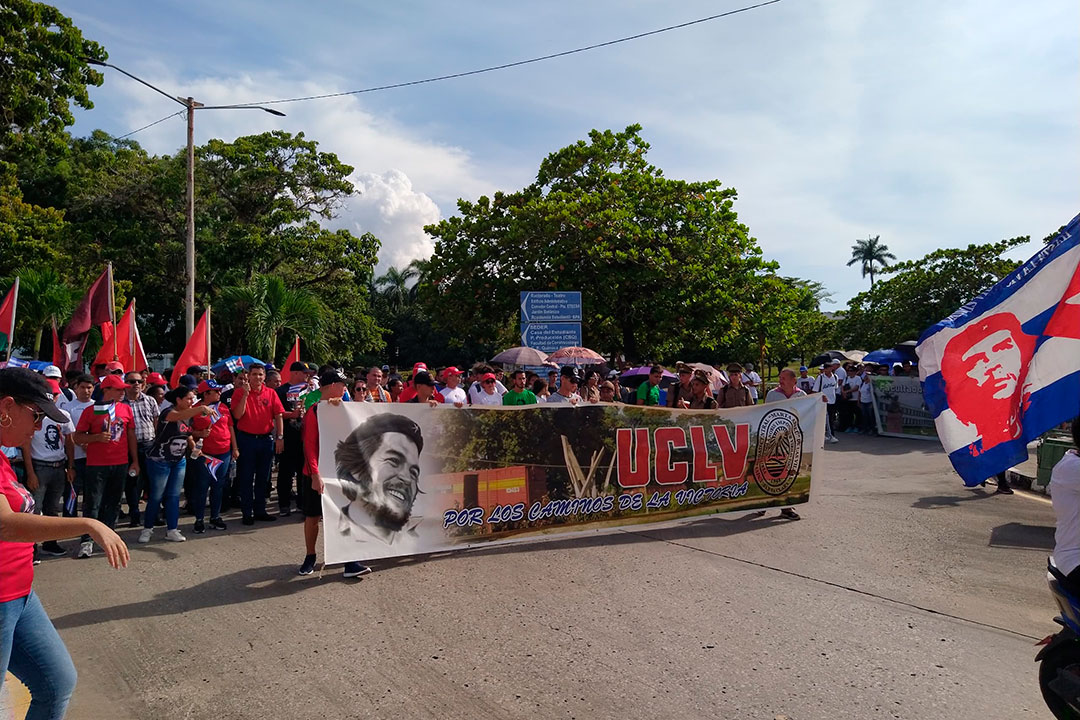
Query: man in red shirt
(107,431)
(257,410)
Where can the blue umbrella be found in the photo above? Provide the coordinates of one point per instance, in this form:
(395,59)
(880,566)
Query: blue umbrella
(886,357)
(248,361)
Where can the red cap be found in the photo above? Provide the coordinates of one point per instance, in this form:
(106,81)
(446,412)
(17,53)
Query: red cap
(156,378)
(487,376)
(113,382)
(114,366)
(452,371)
(208,385)
(55,386)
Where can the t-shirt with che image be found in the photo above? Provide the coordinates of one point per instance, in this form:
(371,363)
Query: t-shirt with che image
(171,442)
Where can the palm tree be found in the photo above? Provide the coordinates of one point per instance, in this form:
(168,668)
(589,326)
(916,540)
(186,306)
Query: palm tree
(43,295)
(270,308)
(870,252)
(395,285)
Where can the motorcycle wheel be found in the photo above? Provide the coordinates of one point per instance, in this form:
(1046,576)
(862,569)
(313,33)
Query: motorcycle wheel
(1067,659)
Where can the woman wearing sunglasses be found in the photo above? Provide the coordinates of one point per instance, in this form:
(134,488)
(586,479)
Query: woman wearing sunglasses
(29,644)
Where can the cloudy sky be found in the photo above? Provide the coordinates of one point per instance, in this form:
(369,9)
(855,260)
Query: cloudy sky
(930,124)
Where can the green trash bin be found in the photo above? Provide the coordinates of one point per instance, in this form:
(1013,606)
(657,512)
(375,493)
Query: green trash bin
(1051,450)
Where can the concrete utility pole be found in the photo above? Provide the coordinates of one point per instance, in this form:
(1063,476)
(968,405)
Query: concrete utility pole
(189,245)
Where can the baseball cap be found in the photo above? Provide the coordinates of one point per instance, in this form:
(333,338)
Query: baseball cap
(331,376)
(570,372)
(835,362)
(487,376)
(51,371)
(452,371)
(54,386)
(803,368)
(386,368)
(608,385)
(25,384)
(113,366)
(298,366)
(424,378)
(186,380)
(206,385)
(113,382)
(156,378)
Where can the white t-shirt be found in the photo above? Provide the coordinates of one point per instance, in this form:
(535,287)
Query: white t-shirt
(47,444)
(840,373)
(853,383)
(457,395)
(866,390)
(776,395)
(806,384)
(1065,495)
(555,398)
(74,409)
(475,391)
(483,398)
(752,377)
(827,386)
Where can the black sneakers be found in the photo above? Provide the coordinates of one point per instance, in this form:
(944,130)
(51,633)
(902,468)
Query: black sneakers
(355,569)
(199,527)
(308,567)
(790,514)
(52,548)
(248,520)
(265,517)
(217,523)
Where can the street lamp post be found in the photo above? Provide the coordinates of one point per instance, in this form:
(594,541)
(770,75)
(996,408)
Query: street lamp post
(189,245)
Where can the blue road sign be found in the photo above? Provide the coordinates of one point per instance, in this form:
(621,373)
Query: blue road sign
(562,307)
(549,337)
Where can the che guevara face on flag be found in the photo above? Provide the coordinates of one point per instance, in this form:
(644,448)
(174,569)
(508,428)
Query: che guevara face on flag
(984,369)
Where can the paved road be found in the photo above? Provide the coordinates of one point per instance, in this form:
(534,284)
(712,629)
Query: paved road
(899,595)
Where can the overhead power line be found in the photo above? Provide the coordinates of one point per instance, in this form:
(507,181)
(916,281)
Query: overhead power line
(519,63)
(144,127)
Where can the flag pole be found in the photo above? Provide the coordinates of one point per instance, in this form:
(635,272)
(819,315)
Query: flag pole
(112,312)
(131,333)
(209,357)
(14,310)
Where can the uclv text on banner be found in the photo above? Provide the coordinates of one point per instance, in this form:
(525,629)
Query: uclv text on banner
(403,479)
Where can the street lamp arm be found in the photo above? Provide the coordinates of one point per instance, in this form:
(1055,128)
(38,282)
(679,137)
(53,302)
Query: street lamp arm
(242,107)
(91,61)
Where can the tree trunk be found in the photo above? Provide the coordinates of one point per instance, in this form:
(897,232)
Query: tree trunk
(629,342)
(37,343)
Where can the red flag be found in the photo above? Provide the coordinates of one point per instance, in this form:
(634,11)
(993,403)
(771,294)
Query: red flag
(294,355)
(129,349)
(94,309)
(59,357)
(196,352)
(7,317)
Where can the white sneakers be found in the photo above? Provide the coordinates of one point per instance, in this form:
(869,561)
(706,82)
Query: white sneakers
(86,549)
(833,440)
(171,536)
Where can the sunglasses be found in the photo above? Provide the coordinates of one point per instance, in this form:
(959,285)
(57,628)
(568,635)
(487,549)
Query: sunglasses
(489,382)
(135,382)
(39,414)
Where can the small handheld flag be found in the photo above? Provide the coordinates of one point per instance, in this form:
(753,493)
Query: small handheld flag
(234,364)
(16,362)
(212,464)
(69,499)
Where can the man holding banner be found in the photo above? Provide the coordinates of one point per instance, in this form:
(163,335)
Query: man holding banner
(332,388)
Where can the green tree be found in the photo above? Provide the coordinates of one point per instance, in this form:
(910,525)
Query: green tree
(43,295)
(270,308)
(29,234)
(870,253)
(394,285)
(660,262)
(45,70)
(921,292)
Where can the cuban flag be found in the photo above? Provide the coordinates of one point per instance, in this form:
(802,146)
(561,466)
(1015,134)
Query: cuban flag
(16,362)
(1005,368)
(215,413)
(234,364)
(212,464)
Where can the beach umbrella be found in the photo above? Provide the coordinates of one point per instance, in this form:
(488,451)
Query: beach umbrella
(576,356)
(886,357)
(521,356)
(222,364)
(827,356)
(717,379)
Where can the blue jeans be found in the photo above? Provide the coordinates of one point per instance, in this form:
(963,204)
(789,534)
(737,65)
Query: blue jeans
(214,482)
(253,471)
(166,479)
(34,653)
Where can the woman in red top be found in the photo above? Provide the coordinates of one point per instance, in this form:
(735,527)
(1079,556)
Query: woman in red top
(29,644)
(219,450)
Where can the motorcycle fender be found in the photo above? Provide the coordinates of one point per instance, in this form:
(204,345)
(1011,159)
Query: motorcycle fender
(1062,638)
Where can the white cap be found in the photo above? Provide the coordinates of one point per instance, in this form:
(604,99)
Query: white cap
(51,371)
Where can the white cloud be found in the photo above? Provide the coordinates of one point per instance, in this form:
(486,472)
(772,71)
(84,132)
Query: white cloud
(389,208)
